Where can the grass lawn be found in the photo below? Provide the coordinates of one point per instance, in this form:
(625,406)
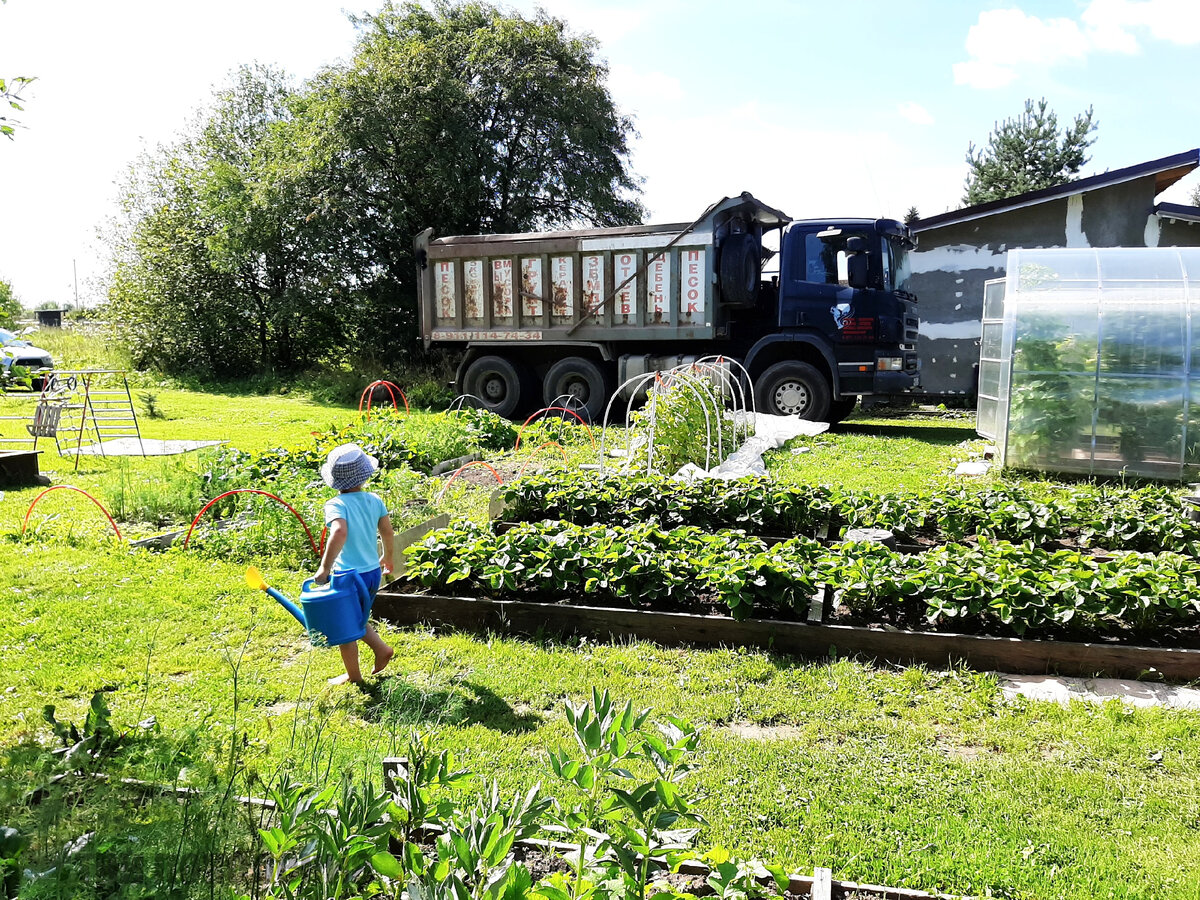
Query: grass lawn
(909,777)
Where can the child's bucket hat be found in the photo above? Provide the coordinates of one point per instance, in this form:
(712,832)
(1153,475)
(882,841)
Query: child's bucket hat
(347,467)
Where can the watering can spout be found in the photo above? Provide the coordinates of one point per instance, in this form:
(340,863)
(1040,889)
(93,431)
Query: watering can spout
(255,580)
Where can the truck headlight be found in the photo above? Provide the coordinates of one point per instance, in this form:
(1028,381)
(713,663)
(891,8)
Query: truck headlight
(890,364)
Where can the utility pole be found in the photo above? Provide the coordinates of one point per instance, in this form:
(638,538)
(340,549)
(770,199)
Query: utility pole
(75,273)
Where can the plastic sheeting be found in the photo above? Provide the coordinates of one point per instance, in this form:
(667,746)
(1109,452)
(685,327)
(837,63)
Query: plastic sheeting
(770,433)
(1089,363)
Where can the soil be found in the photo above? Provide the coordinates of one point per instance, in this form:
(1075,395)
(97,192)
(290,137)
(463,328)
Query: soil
(481,475)
(542,863)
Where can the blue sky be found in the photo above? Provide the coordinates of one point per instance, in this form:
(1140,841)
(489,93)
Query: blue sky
(820,109)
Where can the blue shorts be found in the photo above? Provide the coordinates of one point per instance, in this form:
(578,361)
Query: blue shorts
(371,581)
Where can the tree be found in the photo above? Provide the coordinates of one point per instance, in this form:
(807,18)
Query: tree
(278,231)
(208,271)
(911,216)
(10,306)
(1028,153)
(466,119)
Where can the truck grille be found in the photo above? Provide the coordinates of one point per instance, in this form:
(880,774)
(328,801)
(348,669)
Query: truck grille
(910,329)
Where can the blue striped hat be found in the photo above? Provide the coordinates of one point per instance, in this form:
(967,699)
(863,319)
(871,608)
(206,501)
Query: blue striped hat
(347,467)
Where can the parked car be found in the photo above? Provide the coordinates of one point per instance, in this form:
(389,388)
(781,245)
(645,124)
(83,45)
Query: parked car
(17,352)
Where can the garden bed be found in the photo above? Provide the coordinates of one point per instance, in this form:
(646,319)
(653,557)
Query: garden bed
(399,604)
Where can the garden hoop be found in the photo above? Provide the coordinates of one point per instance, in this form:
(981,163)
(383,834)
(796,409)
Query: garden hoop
(277,499)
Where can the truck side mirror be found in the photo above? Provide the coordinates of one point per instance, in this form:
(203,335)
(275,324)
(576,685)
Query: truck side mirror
(856,262)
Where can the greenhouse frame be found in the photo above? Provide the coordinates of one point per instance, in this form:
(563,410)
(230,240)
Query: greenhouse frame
(1089,363)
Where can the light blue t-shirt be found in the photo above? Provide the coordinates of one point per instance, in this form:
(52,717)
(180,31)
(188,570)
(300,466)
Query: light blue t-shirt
(362,511)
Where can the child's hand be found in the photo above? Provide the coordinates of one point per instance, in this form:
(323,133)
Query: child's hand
(322,576)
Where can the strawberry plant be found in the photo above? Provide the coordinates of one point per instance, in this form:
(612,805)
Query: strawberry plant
(996,584)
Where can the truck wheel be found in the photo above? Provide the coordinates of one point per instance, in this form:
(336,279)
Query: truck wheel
(499,383)
(739,270)
(839,409)
(793,389)
(582,379)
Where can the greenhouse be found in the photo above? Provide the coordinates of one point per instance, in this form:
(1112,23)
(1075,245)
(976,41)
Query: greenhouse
(1088,363)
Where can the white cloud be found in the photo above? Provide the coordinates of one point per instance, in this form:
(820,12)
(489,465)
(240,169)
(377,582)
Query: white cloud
(1110,23)
(1002,40)
(915,113)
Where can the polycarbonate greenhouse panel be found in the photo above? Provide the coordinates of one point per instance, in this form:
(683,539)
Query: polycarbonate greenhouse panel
(1089,362)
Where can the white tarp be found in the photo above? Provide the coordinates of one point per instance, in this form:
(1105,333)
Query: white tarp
(770,433)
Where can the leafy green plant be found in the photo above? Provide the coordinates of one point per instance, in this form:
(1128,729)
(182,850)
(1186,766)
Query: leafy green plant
(683,421)
(424,775)
(735,879)
(606,741)
(150,405)
(325,842)
(657,809)
(13,845)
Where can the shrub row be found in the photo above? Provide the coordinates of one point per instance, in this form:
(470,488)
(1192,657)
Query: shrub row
(997,585)
(1144,519)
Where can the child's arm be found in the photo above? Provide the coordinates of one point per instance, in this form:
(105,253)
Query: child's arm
(338,530)
(388,535)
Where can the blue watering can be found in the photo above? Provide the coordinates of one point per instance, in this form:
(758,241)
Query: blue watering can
(334,613)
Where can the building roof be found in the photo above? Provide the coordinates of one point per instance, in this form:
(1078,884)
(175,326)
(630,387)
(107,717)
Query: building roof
(1166,172)
(1177,212)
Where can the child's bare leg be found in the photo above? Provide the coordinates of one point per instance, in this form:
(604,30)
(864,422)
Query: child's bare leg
(350,661)
(383,652)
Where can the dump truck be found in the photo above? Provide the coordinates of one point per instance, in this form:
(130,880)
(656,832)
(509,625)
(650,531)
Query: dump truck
(545,316)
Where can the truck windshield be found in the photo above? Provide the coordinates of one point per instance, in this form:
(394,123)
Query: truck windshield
(896,269)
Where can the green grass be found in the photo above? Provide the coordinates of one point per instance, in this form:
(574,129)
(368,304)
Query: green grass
(924,779)
(916,452)
(908,777)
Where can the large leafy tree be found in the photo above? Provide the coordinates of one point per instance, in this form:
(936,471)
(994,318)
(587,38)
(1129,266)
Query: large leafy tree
(1028,153)
(278,232)
(210,271)
(466,119)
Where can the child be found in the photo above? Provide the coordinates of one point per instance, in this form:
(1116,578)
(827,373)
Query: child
(353,517)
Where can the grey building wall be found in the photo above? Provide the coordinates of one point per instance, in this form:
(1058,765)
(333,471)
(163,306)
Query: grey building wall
(952,262)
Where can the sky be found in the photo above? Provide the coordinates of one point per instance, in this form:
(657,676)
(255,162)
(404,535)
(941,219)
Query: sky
(819,109)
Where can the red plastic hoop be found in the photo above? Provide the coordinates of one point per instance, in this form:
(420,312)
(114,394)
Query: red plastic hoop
(290,509)
(475,462)
(547,409)
(67,487)
(521,471)
(369,390)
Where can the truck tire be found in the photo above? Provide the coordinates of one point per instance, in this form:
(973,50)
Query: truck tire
(839,409)
(793,389)
(499,383)
(583,380)
(739,269)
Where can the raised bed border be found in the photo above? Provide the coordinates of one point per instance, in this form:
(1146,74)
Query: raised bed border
(397,604)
